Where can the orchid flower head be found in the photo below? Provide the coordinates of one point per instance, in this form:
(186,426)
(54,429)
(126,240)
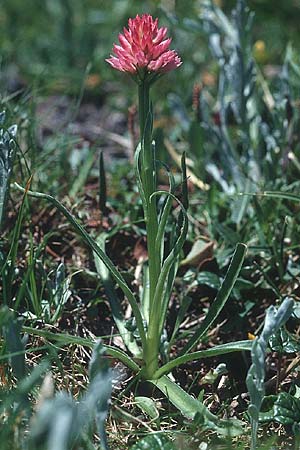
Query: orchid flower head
(143,49)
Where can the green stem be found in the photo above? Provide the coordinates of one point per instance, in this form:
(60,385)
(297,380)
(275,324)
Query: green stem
(148,179)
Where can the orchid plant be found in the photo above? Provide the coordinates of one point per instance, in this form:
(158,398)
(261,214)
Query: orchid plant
(144,53)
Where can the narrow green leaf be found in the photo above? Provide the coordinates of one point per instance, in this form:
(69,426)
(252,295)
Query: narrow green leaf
(192,408)
(147,405)
(159,241)
(137,156)
(221,298)
(8,268)
(215,351)
(158,307)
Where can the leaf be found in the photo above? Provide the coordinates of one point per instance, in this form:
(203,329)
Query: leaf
(148,406)
(209,279)
(193,408)
(201,252)
(221,298)
(61,291)
(276,194)
(283,342)
(156,441)
(7,150)
(221,349)
(213,374)
(163,287)
(8,268)
(256,374)
(11,328)
(99,392)
(287,409)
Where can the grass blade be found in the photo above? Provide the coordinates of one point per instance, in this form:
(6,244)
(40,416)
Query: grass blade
(8,268)
(221,298)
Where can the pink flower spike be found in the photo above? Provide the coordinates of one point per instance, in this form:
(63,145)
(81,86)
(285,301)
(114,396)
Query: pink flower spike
(144,49)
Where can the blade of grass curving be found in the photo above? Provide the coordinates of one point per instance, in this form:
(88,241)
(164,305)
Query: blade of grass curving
(168,290)
(221,349)
(114,302)
(8,268)
(106,260)
(67,339)
(193,408)
(221,298)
